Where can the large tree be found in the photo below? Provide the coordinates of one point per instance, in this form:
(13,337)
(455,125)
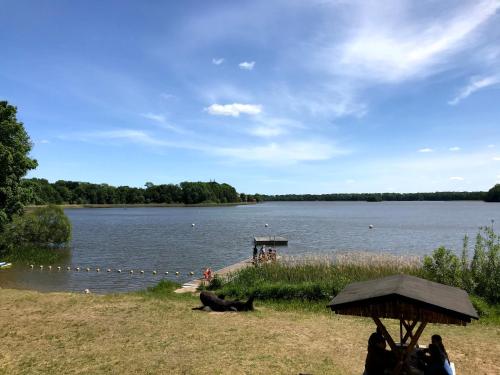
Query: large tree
(15,162)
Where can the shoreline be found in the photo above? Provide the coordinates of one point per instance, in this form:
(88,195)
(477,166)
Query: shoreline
(143,205)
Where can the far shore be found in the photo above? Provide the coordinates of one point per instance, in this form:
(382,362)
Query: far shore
(139,205)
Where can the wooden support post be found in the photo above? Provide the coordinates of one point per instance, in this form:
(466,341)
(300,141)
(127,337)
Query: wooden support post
(409,330)
(406,351)
(386,334)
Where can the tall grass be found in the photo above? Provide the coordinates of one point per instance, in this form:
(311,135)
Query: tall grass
(314,277)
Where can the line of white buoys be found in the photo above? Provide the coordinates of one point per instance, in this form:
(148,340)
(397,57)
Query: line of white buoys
(97,269)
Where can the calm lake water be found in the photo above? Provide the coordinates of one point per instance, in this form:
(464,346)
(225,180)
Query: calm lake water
(163,239)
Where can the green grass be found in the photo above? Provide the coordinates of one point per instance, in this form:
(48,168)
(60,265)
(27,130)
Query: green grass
(313,279)
(308,284)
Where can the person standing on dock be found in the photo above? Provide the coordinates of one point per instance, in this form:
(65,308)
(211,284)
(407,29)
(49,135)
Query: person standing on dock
(255,250)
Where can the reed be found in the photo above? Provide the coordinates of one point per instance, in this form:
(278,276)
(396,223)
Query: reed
(313,277)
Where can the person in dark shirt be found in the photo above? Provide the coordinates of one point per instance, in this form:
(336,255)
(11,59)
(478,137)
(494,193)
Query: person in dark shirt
(378,359)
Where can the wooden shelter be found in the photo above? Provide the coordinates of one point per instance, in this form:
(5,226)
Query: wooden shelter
(409,299)
(270,240)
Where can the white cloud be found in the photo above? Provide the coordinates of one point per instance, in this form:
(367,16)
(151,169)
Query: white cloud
(134,136)
(388,44)
(350,181)
(234,109)
(283,153)
(426,150)
(496,158)
(455,148)
(456,178)
(167,96)
(491,146)
(43,141)
(217,61)
(247,65)
(475,84)
(267,131)
(154,117)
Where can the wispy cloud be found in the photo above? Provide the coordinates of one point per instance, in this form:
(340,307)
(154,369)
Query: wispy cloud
(283,153)
(247,65)
(218,61)
(475,84)
(234,109)
(387,44)
(455,148)
(426,150)
(491,146)
(496,158)
(456,178)
(154,117)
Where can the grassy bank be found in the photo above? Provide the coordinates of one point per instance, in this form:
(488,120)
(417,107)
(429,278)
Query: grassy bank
(309,283)
(157,332)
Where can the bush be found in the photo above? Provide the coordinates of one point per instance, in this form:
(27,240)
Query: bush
(443,267)
(480,276)
(44,227)
(33,236)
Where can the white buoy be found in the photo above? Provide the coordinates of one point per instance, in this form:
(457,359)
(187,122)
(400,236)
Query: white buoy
(77,268)
(193,225)
(166,272)
(119,271)
(68,268)
(41,267)
(370,226)
(131,271)
(97,269)
(266,225)
(142,271)
(177,273)
(50,268)
(87,269)
(58,268)
(108,270)
(154,272)
(86,291)
(31,266)
(191,273)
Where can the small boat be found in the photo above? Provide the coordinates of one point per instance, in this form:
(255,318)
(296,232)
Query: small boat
(5,265)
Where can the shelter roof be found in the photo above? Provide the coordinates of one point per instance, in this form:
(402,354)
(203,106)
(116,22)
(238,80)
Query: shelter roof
(408,297)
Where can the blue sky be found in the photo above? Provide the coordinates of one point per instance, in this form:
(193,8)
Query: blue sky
(268,96)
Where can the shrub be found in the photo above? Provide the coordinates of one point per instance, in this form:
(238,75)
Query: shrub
(443,267)
(44,227)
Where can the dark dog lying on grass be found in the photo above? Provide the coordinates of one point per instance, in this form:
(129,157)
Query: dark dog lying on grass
(212,302)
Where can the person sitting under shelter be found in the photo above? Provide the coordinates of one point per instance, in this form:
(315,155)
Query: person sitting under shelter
(436,361)
(379,360)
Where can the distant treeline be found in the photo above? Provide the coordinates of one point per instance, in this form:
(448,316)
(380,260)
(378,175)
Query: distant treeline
(378,197)
(72,192)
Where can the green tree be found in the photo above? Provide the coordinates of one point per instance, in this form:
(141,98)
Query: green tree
(443,267)
(43,227)
(15,146)
(493,195)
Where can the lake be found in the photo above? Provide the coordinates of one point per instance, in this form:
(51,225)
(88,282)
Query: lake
(164,239)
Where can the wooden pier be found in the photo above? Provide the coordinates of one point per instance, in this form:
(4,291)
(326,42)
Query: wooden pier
(192,286)
(270,240)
